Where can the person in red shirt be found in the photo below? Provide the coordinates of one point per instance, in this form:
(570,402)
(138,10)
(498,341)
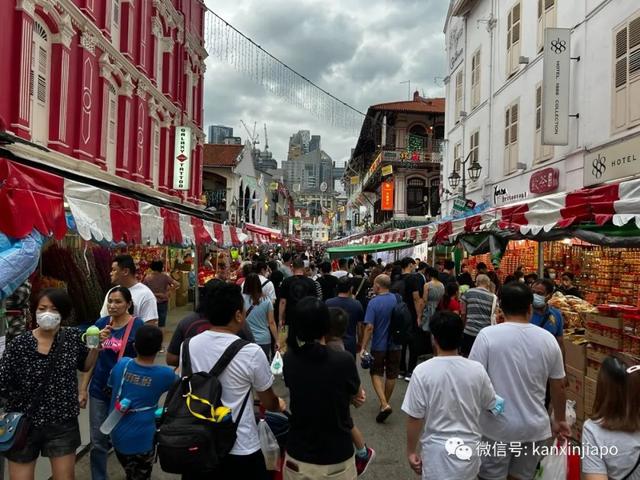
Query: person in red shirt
(450,301)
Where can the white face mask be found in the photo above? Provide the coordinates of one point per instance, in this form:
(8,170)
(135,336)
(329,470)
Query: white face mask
(48,320)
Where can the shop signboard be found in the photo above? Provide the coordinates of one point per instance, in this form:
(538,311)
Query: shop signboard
(182,159)
(555,86)
(546,180)
(355,180)
(462,205)
(613,162)
(387,170)
(387,196)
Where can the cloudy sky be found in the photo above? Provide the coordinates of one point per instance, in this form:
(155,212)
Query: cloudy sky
(359,50)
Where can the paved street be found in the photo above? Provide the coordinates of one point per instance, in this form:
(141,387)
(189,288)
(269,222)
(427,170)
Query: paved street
(388,440)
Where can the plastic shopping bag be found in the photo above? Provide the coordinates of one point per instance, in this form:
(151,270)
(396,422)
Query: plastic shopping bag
(554,467)
(269,446)
(276,364)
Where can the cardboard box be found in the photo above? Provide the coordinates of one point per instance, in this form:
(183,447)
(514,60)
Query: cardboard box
(596,356)
(589,395)
(611,322)
(605,341)
(579,403)
(575,352)
(576,430)
(592,372)
(575,378)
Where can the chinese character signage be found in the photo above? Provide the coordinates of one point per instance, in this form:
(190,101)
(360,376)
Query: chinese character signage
(387,170)
(387,196)
(182,159)
(544,181)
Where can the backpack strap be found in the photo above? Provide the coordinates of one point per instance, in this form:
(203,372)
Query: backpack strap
(186,359)
(227,356)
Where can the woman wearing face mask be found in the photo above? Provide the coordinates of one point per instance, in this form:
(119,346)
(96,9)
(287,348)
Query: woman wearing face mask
(38,377)
(117,334)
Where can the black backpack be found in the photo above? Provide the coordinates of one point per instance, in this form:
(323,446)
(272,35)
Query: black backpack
(188,439)
(401,324)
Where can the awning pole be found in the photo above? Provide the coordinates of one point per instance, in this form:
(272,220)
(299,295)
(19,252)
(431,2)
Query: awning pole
(540,259)
(195,266)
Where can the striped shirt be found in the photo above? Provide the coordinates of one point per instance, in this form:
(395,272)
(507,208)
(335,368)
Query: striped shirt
(478,305)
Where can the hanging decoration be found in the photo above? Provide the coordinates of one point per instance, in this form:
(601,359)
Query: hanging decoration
(227,44)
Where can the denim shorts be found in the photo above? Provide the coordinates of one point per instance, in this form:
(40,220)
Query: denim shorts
(56,440)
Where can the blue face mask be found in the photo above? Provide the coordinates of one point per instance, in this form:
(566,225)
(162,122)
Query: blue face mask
(539,301)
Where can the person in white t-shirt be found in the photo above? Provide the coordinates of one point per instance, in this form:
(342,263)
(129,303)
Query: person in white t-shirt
(520,359)
(123,273)
(248,370)
(342,269)
(444,400)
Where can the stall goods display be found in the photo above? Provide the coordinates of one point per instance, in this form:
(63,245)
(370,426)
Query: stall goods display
(611,275)
(573,309)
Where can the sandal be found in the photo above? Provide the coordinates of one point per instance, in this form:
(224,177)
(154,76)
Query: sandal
(384,414)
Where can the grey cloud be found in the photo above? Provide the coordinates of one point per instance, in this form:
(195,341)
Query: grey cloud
(360,50)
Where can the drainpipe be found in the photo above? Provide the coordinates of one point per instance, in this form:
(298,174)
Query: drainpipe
(383,140)
(491,27)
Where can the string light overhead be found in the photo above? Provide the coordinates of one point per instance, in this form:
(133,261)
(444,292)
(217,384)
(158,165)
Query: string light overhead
(227,44)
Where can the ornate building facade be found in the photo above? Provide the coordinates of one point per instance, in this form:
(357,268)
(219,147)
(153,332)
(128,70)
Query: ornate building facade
(107,82)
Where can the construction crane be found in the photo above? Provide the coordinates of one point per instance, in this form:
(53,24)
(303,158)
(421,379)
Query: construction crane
(252,136)
(266,139)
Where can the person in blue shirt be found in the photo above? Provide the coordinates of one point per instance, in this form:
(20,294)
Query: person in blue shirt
(544,315)
(142,383)
(117,331)
(386,354)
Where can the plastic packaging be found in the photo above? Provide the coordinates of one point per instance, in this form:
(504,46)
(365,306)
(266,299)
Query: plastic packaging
(366,361)
(269,446)
(114,417)
(277,364)
(570,412)
(553,467)
(498,407)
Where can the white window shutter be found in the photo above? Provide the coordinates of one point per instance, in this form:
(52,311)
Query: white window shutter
(633,98)
(509,29)
(507,141)
(515,38)
(620,80)
(38,84)
(513,148)
(540,36)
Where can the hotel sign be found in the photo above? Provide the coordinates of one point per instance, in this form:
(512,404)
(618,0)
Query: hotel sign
(182,159)
(555,86)
(613,162)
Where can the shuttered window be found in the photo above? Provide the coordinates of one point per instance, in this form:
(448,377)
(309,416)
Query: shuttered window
(459,92)
(475,79)
(513,39)
(38,84)
(546,19)
(541,152)
(115,23)
(457,156)
(112,128)
(474,147)
(511,138)
(626,73)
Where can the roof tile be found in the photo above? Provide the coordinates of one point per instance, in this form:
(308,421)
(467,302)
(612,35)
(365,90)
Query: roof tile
(218,155)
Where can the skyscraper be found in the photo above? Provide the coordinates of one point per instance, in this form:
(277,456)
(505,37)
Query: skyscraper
(217,134)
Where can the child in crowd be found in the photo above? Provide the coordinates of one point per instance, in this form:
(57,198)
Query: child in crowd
(337,330)
(614,427)
(142,383)
(443,402)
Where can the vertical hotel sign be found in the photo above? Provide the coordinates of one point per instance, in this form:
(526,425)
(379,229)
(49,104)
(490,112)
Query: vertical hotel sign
(182,159)
(555,86)
(387,196)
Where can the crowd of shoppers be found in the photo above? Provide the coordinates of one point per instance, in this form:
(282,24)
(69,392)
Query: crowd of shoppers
(493,370)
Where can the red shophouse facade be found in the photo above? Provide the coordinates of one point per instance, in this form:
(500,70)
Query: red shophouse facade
(107,82)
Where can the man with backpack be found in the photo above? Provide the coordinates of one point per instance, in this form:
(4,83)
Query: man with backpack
(294,289)
(410,286)
(385,352)
(243,368)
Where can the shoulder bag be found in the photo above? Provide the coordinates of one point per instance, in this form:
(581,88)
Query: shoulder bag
(633,470)
(15,426)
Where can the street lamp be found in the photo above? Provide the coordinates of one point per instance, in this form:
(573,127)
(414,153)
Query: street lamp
(475,169)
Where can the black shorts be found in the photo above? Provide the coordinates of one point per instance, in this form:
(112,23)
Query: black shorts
(56,440)
(386,361)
